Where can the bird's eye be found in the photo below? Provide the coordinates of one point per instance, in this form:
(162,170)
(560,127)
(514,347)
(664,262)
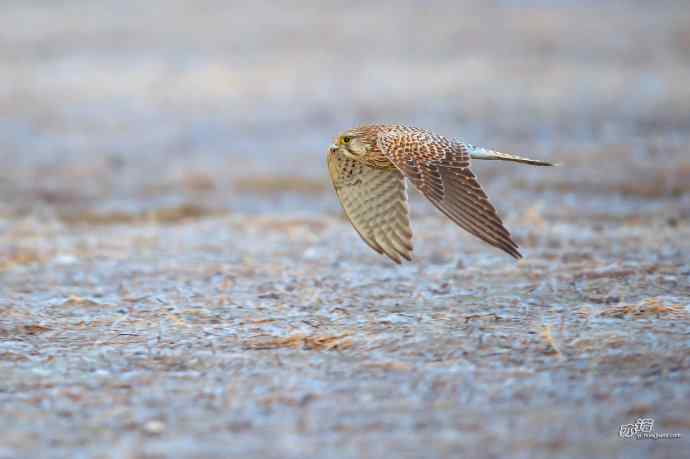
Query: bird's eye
(346,139)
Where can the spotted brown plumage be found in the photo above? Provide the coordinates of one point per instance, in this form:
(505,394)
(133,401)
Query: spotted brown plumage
(369,164)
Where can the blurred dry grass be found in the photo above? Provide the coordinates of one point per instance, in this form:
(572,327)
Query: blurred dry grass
(277,185)
(651,307)
(667,181)
(316,343)
(176,214)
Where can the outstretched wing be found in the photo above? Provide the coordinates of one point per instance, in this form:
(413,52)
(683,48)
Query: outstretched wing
(375,201)
(439,169)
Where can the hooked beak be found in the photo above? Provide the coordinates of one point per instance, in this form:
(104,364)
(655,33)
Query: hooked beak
(333,148)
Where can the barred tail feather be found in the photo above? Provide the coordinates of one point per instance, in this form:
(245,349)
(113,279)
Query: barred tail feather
(484,153)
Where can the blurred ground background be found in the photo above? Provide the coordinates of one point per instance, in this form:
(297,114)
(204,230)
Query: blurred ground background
(176,278)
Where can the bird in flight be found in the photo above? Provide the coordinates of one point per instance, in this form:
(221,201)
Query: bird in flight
(370,166)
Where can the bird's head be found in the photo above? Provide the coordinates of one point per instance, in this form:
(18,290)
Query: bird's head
(354,143)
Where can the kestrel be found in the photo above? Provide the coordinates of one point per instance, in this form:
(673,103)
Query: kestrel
(369,167)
